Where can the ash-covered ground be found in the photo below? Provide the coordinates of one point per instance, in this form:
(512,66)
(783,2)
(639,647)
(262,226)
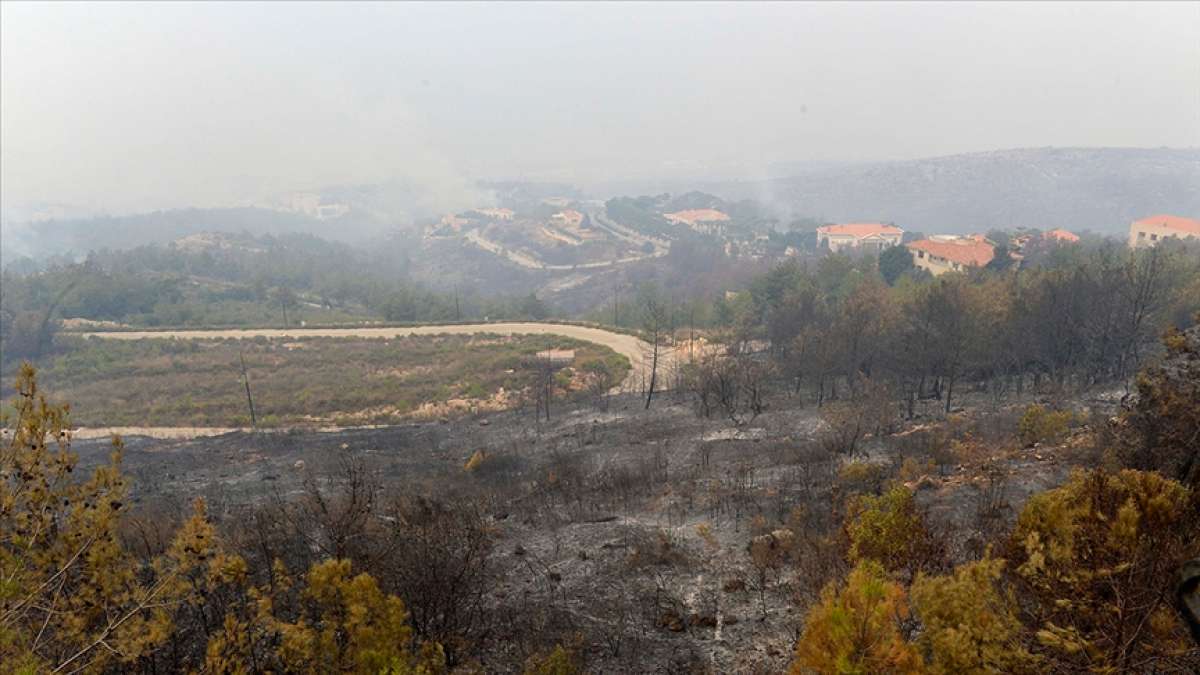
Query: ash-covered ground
(626,532)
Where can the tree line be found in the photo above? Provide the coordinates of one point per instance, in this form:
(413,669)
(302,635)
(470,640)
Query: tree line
(1083,316)
(254,280)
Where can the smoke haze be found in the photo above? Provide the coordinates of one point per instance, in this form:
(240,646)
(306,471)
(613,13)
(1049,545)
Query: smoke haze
(125,107)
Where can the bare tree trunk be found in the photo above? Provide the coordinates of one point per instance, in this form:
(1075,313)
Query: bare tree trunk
(692,336)
(653,371)
(249,398)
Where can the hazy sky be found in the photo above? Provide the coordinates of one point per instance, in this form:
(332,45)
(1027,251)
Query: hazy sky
(144,105)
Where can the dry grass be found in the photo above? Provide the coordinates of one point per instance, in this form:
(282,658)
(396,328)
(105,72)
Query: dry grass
(312,381)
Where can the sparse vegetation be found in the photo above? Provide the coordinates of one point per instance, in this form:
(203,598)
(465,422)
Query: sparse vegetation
(1039,425)
(1162,426)
(76,597)
(870,467)
(496,538)
(310,381)
(766,392)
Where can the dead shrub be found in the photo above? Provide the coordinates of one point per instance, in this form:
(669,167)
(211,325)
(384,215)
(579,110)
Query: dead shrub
(657,548)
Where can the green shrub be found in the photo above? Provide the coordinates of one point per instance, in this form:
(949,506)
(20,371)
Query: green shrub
(969,624)
(856,478)
(562,379)
(856,627)
(1096,559)
(890,529)
(1039,425)
(474,390)
(560,661)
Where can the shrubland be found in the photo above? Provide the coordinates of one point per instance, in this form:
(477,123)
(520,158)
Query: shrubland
(935,476)
(313,381)
(237,280)
(346,573)
(76,598)
(1083,582)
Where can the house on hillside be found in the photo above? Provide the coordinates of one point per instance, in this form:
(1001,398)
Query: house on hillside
(449,225)
(940,254)
(1024,242)
(708,221)
(312,204)
(496,214)
(865,236)
(1150,231)
(1062,236)
(568,217)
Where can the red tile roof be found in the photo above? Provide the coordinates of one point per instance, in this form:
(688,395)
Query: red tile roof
(1172,223)
(1062,235)
(860,230)
(968,252)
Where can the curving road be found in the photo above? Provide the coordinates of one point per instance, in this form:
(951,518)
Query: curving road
(632,348)
(532,263)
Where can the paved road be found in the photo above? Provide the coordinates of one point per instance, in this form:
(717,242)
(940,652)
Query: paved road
(661,246)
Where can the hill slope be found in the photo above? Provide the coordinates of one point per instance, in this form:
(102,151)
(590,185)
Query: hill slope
(1102,189)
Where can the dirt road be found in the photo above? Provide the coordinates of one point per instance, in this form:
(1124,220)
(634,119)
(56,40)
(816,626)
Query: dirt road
(532,263)
(632,348)
(628,346)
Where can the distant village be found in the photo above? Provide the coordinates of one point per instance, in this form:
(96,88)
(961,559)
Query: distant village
(574,224)
(938,254)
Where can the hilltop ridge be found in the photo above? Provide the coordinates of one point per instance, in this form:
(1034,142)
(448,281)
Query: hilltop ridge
(1100,189)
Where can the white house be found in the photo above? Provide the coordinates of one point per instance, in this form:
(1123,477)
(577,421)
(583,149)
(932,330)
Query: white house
(868,236)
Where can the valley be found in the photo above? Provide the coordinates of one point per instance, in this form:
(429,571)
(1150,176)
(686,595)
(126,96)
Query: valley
(578,338)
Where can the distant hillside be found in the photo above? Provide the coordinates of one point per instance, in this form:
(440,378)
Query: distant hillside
(78,236)
(351,213)
(1101,189)
(646,213)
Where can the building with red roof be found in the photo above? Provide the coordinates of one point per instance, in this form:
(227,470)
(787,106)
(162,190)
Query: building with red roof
(1150,231)
(496,213)
(710,221)
(568,217)
(1063,236)
(939,255)
(870,236)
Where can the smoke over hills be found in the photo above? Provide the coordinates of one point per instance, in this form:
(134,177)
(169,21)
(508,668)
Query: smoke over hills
(1101,189)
